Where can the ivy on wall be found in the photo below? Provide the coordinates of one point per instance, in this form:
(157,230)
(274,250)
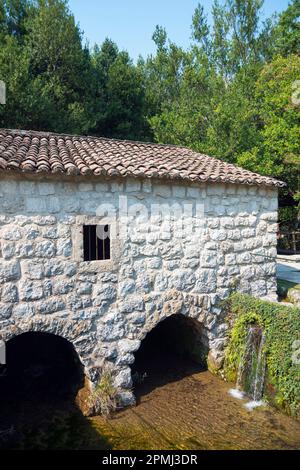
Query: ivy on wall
(282,330)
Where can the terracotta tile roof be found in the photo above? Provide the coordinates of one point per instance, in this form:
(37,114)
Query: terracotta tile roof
(41,152)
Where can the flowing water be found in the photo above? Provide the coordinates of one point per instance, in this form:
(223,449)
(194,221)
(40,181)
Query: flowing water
(192,409)
(180,406)
(252,369)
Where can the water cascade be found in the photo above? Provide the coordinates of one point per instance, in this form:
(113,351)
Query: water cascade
(252,369)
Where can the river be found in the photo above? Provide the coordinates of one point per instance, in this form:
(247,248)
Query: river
(179,406)
(195,411)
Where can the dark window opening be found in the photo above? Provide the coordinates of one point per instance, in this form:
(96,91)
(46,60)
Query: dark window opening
(96,242)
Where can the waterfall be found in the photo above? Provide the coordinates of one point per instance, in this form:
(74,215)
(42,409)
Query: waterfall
(252,368)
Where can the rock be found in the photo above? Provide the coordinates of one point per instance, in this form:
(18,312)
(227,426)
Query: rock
(109,352)
(64,248)
(126,287)
(113,328)
(12,234)
(22,310)
(9,271)
(128,346)
(70,270)
(51,306)
(76,302)
(51,233)
(9,293)
(84,288)
(125,399)
(33,270)
(53,268)
(137,318)
(206,282)
(105,292)
(62,286)
(123,379)
(294,296)
(8,250)
(215,362)
(31,291)
(182,280)
(125,360)
(45,250)
(5,311)
(134,304)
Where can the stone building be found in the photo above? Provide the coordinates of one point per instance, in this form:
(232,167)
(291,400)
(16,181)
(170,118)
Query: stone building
(181,231)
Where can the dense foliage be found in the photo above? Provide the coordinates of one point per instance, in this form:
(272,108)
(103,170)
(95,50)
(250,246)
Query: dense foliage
(282,330)
(234,93)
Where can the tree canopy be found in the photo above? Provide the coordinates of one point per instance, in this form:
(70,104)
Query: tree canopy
(234,93)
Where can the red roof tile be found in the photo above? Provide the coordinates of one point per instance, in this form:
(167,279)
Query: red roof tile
(41,152)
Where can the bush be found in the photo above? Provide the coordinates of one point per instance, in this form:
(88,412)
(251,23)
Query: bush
(282,330)
(103,400)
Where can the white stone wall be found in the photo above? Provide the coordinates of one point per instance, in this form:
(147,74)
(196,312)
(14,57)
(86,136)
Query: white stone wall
(107,308)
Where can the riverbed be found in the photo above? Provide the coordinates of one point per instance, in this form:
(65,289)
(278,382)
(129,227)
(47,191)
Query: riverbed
(180,406)
(196,411)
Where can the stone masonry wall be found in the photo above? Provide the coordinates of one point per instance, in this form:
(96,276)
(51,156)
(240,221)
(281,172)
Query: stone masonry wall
(106,308)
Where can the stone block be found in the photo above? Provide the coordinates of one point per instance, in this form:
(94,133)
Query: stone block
(162,191)
(9,271)
(5,311)
(179,191)
(30,291)
(46,189)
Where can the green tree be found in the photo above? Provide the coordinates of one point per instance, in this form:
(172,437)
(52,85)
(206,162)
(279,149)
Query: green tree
(14,72)
(13,14)
(45,67)
(59,68)
(237,35)
(207,100)
(277,151)
(185,119)
(287,32)
(120,95)
(200,29)
(162,73)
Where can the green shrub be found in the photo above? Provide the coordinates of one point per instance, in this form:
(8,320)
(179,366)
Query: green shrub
(282,329)
(103,400)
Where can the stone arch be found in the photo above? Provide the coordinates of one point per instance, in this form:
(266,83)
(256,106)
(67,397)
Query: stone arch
(41,367)
(71,331)
(175,347)
(189,333)
(200,309)
(176,303)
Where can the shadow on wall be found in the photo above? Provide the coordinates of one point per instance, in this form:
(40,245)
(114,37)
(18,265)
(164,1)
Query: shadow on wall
(175,348)
(38,394)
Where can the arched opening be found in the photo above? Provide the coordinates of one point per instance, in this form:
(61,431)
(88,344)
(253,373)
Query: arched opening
(38,391)
(175,348)
(41,366)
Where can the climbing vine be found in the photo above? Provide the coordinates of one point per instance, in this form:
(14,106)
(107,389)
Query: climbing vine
(282,330)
